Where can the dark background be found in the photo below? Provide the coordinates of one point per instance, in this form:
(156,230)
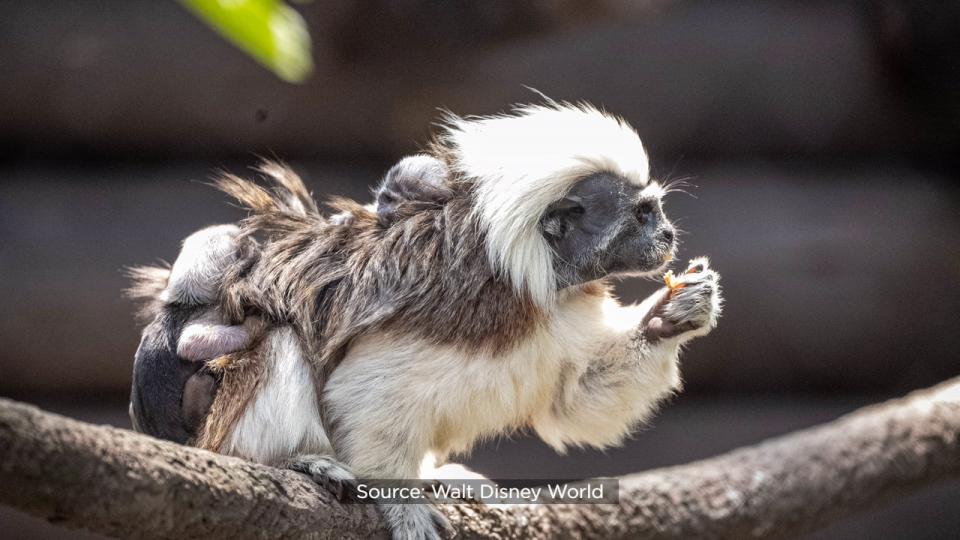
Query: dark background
(821,138)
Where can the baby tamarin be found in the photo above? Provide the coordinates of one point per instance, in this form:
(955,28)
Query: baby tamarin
(172,390)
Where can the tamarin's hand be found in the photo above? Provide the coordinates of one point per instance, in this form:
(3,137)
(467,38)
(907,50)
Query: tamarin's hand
(690,304)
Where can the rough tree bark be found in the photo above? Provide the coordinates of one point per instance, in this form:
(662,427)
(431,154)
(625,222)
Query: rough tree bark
(123,484)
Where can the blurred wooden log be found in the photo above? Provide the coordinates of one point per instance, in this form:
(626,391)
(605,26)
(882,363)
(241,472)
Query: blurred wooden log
(124,484)
(712,80)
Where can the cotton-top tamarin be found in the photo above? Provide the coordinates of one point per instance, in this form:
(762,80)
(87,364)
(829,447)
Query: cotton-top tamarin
(482,309)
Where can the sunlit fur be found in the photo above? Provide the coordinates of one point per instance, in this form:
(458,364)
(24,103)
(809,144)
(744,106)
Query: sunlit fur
(520,162)
(282,420)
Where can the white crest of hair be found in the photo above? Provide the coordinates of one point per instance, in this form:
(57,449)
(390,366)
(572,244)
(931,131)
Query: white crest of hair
(522,162)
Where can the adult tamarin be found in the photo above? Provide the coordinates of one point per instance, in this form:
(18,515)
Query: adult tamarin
(485,310)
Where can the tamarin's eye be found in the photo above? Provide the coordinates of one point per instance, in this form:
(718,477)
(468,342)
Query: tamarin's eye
(644,210)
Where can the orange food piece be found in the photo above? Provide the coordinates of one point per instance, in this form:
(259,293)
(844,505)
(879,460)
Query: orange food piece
(672,282)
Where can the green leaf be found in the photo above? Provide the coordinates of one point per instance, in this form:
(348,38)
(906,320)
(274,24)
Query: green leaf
(270,31)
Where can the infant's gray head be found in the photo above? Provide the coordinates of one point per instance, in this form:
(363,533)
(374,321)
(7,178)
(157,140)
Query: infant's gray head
(415,182)
(197,273)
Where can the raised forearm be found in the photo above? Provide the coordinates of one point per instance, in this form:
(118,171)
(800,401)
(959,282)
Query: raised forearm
(601,398)
(602,402)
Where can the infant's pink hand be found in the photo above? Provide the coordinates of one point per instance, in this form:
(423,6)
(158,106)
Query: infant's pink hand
(204,341)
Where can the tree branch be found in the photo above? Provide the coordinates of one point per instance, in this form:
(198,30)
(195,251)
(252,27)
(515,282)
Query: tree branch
(124,484)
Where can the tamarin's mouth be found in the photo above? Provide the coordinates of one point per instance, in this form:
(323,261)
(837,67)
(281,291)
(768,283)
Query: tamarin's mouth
(665,261)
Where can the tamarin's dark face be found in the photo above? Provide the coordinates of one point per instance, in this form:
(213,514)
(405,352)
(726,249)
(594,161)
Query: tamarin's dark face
(605,226)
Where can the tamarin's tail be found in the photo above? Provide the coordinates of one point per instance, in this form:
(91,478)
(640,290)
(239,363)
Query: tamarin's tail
(146,285)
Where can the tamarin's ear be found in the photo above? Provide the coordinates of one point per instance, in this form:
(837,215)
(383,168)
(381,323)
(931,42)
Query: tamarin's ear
(556,220)
(414,183)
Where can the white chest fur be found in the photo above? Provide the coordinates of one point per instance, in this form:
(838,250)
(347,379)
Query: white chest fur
(394,392)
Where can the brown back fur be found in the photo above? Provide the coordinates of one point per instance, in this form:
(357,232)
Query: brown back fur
(240,374)
(426,274)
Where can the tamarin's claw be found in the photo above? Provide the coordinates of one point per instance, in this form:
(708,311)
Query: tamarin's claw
(330,474)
